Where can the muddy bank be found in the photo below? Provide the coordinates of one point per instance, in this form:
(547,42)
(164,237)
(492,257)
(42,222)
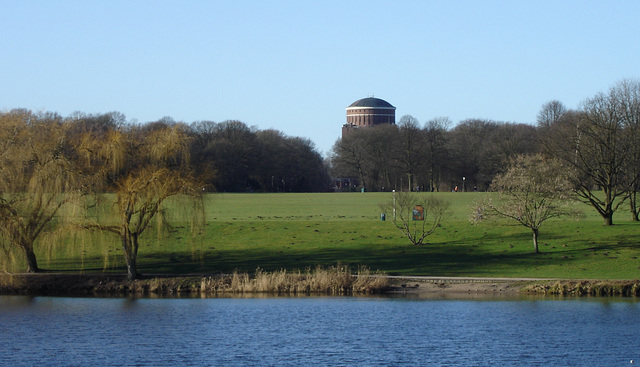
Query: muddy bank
(454,285)
(506,286)
(44,284)
(49,284)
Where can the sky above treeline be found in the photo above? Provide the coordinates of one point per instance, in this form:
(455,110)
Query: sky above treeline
(295,66)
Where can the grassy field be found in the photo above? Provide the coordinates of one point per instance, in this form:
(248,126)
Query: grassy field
(296,231)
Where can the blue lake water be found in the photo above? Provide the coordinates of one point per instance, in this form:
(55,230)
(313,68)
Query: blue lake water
(341,331)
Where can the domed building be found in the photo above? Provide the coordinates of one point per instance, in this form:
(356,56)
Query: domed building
(367,112)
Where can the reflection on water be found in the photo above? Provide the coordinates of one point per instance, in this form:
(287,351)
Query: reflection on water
(325,331)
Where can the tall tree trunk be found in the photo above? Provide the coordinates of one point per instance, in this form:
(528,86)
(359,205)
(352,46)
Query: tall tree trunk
(130,250)
(607,213)
(535,240)
(633,206)
(362,182)
(132,269)
(32,263)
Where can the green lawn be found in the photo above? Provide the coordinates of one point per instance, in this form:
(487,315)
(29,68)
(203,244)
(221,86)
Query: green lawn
(295,231)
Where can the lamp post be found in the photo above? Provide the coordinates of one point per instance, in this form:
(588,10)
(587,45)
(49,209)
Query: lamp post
(463,187)
(394,205)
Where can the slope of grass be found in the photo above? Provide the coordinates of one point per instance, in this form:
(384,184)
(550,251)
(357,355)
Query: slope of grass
(296,231)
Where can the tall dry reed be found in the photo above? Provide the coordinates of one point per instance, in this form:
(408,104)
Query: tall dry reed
(334,280)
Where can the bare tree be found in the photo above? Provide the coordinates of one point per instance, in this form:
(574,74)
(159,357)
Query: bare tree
(381,147)
(350,157)
(597,143)
(411,153)
(627,96)
(550,113)
(369,155)
(416,215)
(437,149)
(473,154)
(600,156)
(287,160)
(533,190)
(145,169)
(37,178)
(234,151)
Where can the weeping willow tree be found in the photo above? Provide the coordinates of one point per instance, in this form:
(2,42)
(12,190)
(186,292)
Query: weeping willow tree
(38,178)
(143,167)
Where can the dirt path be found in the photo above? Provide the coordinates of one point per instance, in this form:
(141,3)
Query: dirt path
(426,285)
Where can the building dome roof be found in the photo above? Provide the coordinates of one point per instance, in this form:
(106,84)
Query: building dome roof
(371,102)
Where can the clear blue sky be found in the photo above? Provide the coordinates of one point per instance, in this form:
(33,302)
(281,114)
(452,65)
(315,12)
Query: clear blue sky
(296,65)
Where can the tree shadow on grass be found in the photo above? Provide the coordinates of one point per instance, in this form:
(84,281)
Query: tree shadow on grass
(440,259)
(470,256)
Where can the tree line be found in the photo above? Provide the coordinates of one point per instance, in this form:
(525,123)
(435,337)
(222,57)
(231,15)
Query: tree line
(244,159)
(432,157)
(598,145)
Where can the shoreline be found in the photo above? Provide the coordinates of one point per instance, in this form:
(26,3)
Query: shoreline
(423,285)
(167,285)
